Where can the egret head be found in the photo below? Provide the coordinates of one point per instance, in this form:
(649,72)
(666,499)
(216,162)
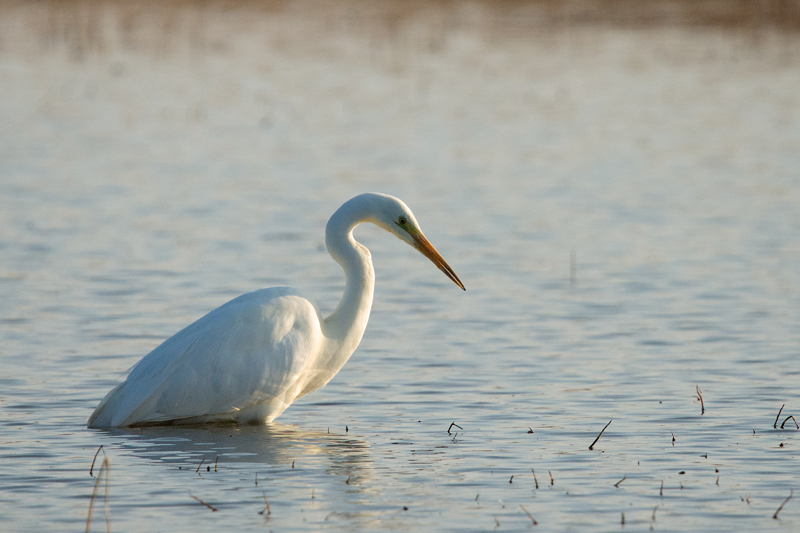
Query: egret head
(395,217)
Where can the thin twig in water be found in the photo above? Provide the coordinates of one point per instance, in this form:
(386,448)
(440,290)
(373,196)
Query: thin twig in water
(215,463)
(623,519)
(267,508)
(201,464)
(673,438)
(624,477)
(661,492)
(496,521)
(775,516)
(451,427)
(510,481)
(535,523)
(787,419)
(700,397)
(775,425)
(91,468)
(204,503)
(591,446)
(534,478)
(654,513)
(552,481)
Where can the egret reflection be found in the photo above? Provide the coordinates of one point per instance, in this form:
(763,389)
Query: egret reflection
(272,444)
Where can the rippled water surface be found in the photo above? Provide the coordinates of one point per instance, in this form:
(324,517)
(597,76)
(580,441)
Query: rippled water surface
(621,200)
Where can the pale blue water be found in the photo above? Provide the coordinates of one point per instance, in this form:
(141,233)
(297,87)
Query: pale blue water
(157,162)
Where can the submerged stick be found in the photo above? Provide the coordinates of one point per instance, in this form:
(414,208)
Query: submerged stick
(535,523)
(775,425)
(215,463)
(91,468)
(204,503)
(591,446)
(700,397)
(624,477)
(552,481)
(661,492)
(775,516)
(534,478)
(201,464)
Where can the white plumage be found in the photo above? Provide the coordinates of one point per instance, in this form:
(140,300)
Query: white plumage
(248,360)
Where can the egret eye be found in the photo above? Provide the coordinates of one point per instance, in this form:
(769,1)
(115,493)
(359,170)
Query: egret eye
(402,221)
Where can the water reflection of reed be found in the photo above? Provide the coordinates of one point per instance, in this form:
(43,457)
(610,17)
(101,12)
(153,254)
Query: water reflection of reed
(95,26)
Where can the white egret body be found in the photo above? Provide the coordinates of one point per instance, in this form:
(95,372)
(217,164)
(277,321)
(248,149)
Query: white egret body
(248,360)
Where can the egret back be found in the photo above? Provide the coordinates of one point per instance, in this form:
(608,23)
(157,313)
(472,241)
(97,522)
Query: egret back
(257,349)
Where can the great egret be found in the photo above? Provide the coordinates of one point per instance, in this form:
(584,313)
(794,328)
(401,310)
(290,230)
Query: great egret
(248,360)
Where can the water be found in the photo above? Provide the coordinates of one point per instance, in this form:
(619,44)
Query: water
(157,161)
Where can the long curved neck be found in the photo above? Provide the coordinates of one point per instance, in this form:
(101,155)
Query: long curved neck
(346,325)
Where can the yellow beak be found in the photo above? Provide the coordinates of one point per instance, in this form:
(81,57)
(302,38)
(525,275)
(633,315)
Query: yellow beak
(427,249)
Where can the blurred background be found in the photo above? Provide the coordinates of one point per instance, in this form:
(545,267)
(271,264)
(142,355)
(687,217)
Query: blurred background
(617,183)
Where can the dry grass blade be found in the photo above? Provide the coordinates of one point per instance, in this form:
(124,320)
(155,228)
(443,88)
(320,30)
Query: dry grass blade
(591,446)
(106,500)
(775,516)
(787,419)
(91,468)
(451,427)
(700,397)
(535,523)
(103,469)
(775,425)
(204,503)
(266,502)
